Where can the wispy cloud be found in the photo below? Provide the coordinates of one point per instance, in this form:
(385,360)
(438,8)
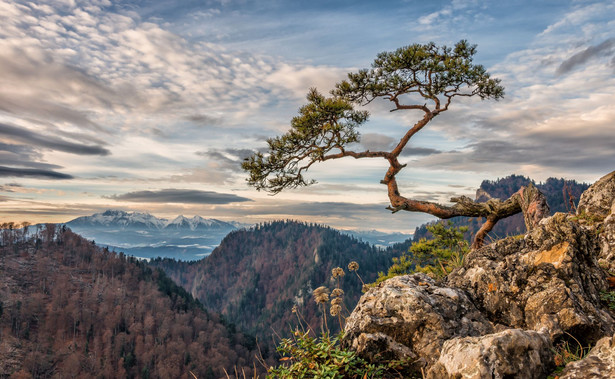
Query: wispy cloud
(32,173)
(381,142)
(179,196)
(50,142)
(605,48)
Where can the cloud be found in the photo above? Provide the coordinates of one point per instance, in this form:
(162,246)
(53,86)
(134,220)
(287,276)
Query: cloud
(605,48)
(377,142)
(414,151)
(566,151)
(179,196)
(223,165)
(49,142)
(298,80)
(10,187)
(381,142)
(58,91)
(204,120)
(324,209)
(32,173)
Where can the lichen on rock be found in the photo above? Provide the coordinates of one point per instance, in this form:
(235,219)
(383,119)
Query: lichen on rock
(510,353)
(411,316)
(597,201)
(549,281)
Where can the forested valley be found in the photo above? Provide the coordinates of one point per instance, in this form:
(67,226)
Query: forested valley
(256,276)
(73,310)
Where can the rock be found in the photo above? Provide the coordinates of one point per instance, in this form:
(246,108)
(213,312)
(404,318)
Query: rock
(607,243)
(548,281)
(499,315)
(511,353)
(596,202)
(599,363)
(411,316)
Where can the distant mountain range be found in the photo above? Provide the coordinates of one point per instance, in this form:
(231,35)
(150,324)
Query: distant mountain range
(147,236)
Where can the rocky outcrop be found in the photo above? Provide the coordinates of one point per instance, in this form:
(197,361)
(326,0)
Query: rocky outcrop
(411,317)
(598,200)
(548,281)
(599,363)
(511,353)
(500,314)
(607,242)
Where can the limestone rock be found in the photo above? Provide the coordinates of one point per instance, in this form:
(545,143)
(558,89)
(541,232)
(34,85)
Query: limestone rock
(607,243)
(511,353)
(548,281)
(599,363)
(410,317)
(597,200)
(499,315)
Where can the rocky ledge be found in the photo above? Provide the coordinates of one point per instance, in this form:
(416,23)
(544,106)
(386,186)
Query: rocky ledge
(502,313)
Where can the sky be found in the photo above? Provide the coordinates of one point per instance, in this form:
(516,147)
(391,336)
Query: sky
(151,105)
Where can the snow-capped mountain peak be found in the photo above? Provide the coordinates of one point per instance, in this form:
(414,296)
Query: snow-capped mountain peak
(131,220)
(120,218)
(145,235)
(197,222)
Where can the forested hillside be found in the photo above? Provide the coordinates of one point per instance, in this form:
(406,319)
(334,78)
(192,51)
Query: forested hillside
(256,276)
(559,194)
(72,309)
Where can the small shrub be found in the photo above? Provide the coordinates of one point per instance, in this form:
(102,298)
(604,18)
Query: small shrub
(305,355)
(565,353)
(436,257)
(608,297)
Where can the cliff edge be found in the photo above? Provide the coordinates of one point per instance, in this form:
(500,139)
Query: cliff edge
(503,312)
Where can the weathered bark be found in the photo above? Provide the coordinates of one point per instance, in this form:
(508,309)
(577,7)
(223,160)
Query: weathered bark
(528,200)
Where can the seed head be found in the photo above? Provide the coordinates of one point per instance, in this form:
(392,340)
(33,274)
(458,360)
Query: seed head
(335,310)
(337,292)
(338,271)
(294,310)
(336,301)
(353,266)
(321,295)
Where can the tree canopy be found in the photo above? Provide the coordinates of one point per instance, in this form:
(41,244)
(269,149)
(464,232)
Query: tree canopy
(420,77)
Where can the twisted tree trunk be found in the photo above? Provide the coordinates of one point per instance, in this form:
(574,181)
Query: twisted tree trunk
(528,200)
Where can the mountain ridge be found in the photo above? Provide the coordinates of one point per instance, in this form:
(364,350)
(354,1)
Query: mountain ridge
(256,276)
(127,219)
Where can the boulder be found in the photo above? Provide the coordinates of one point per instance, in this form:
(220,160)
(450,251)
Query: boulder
(410,317)
(547,281)
(607,243)
(511,353)
(596,202)
(599,363)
